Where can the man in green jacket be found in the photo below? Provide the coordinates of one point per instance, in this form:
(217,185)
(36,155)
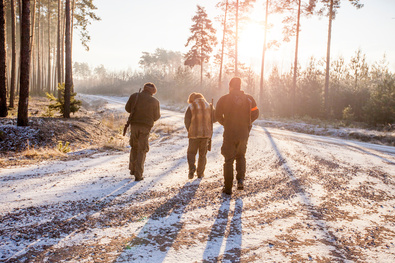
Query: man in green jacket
(235,111)
(146,111)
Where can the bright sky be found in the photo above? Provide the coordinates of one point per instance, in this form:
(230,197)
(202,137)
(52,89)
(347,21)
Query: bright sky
(130,27)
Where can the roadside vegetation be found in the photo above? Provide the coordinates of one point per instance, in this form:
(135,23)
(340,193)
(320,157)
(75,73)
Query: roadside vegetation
(362,95)
(94,128)
(49,136)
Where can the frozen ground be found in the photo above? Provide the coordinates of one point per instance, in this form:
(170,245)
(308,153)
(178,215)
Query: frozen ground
(306,198)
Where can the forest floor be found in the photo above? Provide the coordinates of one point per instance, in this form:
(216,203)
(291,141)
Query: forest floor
(49,136)
(306,198)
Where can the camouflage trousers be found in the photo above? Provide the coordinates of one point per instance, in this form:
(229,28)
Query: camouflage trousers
(139,135)
(234,150)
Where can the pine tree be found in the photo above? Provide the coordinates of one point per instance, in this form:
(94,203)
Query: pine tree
(58,103)
(203,40)
(49,79)
(236,13)
(237,40)
(83,13)
(291,25)
(222,47)
(25,65)
(329,9)
(33,46)
(381,105)
(261,96)
(296,61)
(69,78)
(3,61)
(13,54)
(58,50)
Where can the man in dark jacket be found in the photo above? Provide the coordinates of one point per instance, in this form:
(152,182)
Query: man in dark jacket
(199,123)
(146,111)
(235,111)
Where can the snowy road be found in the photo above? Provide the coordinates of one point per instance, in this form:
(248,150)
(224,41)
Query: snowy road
(306,198)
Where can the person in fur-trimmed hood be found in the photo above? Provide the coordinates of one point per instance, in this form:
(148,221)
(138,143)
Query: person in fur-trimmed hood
(198,121)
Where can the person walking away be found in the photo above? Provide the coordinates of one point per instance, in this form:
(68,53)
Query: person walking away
(236,111)
(198,120)
(145,111)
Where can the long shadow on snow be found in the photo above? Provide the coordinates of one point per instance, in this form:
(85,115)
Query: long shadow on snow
(314,214)
(68,225)
(54,229)
(218,232)
(162,228)
(233,242)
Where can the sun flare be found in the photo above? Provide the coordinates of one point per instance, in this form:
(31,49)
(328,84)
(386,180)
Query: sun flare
(251,42)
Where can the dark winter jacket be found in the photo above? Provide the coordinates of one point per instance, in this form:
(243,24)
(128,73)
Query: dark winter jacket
(198,119)
(236,111)
(147,109)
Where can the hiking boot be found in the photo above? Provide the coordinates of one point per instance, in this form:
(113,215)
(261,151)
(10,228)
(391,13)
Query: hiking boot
(226,191)
(191,174)
(200,175)
(240,185)
(139,179)
(131,172)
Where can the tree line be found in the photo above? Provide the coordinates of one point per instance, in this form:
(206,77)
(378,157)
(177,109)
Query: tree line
(36,49)
(235,12)
(326,89)
(360,92)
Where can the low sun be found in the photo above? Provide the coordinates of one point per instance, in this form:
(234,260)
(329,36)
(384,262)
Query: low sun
(251,38)
(250,42)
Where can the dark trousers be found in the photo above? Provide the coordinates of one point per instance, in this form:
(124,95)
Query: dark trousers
(195,145)
(139,136)
(234,150)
